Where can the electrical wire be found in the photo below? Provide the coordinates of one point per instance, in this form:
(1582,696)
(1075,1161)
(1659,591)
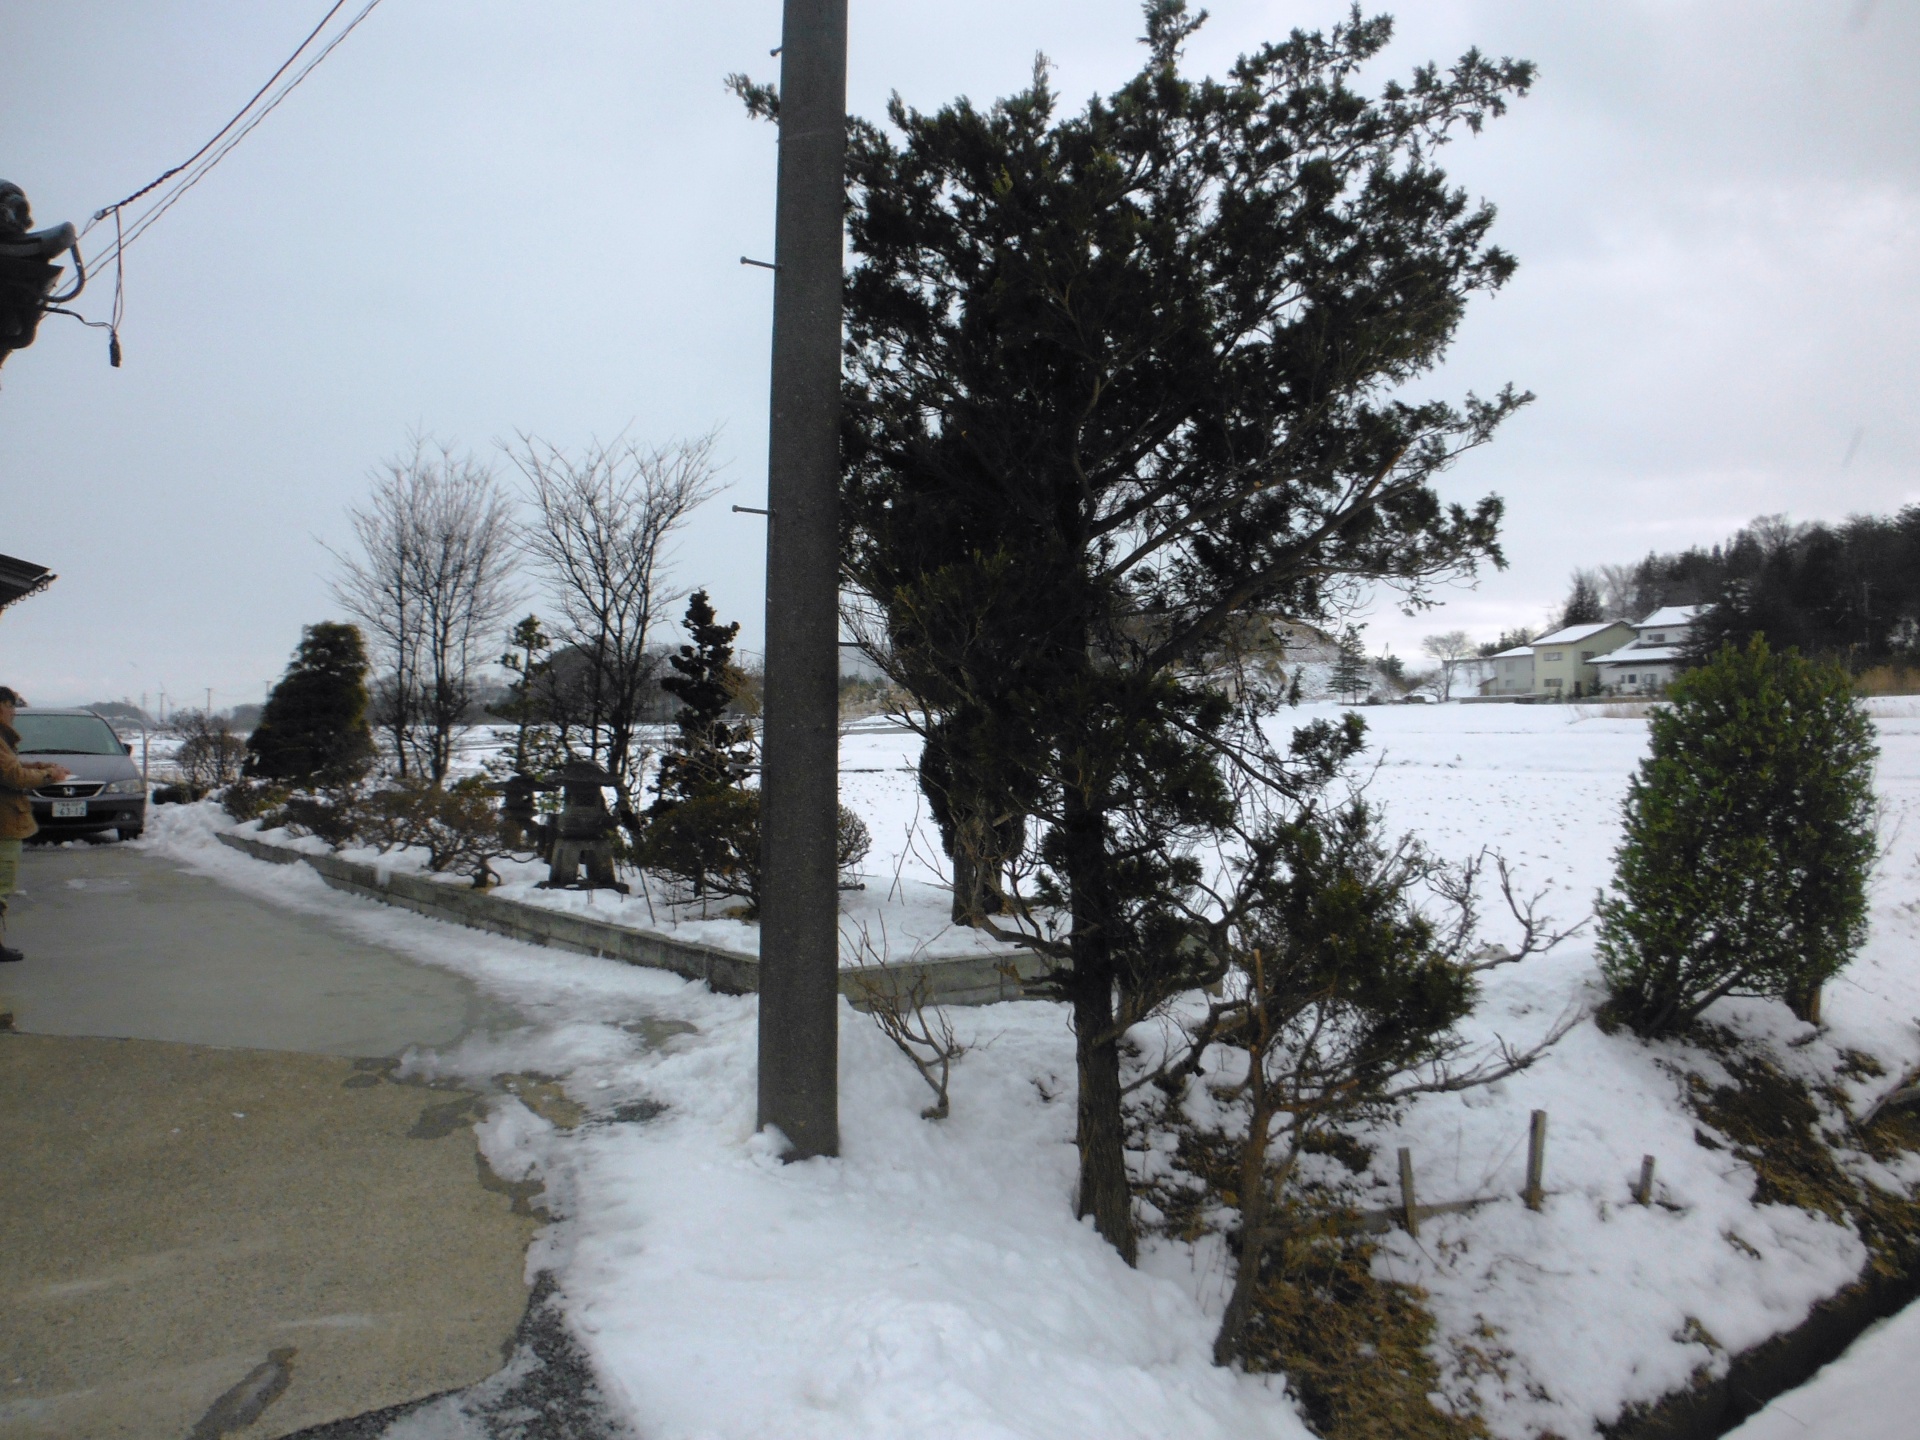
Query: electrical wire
(196,166)
(208,155)
(102,214)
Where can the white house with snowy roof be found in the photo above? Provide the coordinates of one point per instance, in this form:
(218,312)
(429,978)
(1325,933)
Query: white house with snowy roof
(1648,664)
(1563,661)
(1512,672)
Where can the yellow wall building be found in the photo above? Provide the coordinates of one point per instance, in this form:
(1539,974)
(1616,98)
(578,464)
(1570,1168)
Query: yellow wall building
(1563,661)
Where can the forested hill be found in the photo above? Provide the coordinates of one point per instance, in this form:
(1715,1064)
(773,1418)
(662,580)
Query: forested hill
(1850,590)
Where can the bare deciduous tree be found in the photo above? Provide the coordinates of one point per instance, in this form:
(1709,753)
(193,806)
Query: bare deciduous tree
(602,525)
(1619,587)
(209,752)
(432,585)
(1448,649)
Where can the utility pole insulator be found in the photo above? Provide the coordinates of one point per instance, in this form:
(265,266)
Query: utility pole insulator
(799,785)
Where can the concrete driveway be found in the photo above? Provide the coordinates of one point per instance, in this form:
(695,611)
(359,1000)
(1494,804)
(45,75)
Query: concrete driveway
(221,1215)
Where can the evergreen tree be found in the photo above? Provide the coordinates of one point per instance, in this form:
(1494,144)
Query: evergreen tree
(1583,602)
(1349,677)
(710,751)
(1509,640)
(526,646)
(704,824)
(1116,380)
(314,728)
(1749,838)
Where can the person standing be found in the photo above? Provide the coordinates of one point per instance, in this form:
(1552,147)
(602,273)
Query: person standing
(16,810)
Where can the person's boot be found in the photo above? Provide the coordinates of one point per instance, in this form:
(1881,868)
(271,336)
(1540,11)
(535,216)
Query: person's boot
(7,956)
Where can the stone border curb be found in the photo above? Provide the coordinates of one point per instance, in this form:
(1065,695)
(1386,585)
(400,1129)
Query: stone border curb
(964,980)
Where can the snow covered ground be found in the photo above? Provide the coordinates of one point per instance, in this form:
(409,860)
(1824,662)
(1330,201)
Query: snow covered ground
(901,908)
(1870,1393)
(933,1282)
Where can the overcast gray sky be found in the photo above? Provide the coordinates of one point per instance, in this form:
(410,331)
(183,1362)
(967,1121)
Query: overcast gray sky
(479,218)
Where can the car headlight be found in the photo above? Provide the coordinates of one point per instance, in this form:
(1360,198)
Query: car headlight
(135,786)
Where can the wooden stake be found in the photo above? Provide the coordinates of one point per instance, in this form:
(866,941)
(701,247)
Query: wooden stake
(1643,1192)
(1412,1211)
(1536,1159)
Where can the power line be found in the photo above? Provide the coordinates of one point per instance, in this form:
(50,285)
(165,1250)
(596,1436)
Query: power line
(196,166)
(198,171)
(100,215)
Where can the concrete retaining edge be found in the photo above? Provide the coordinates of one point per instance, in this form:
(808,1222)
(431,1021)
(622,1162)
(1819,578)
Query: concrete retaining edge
(965,980)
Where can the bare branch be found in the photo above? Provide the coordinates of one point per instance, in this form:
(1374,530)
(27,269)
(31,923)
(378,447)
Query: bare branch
(604,523)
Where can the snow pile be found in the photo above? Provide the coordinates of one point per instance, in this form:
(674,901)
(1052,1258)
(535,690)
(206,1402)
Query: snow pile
(932,1282)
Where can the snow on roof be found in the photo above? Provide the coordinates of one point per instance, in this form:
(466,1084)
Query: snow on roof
(1676,616)
(1641,655)
(1515,653)
(1576,632)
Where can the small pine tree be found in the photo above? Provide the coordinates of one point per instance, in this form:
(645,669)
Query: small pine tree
(314,729)
(1583,602)
(1749,838)
(1350,669)
(526,646)
(711,752)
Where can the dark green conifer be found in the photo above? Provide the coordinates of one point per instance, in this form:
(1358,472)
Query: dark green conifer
(527,645)
(1749,838)
(1118,378)
(314,729)
(1349,677)
(711,751)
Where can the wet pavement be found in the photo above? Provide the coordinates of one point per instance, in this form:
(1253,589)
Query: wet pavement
(225,1224)
(120,942)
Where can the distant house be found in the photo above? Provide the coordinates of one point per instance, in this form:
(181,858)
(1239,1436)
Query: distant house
(1563,667)
(1647,665)
(1512,673)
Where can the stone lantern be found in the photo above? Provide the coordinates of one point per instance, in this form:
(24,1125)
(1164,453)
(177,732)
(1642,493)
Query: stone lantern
(583,831)
(520,822)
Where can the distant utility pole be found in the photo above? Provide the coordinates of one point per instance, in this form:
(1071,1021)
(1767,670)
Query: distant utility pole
(799,781)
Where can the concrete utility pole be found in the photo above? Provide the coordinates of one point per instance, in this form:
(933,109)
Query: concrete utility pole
(799,781)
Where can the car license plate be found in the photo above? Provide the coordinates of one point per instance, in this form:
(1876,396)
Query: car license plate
(69,809)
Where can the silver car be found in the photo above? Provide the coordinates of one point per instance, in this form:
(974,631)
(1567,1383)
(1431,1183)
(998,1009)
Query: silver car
(104,792)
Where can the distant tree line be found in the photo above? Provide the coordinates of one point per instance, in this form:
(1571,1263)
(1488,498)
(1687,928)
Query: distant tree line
(1849,591)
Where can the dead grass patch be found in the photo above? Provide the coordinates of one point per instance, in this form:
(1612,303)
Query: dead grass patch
(1798,1146)
(1887,680)
(1358,1351)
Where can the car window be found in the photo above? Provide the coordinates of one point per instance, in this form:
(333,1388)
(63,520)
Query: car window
(65,735)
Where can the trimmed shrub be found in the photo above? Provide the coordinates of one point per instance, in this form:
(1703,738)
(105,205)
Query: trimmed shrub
(253,799)
(1749,838)
(457,824)
(711,843)
(855,841)
(314,729)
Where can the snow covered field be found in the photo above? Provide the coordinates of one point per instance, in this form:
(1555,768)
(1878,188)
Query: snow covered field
(933,1282)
